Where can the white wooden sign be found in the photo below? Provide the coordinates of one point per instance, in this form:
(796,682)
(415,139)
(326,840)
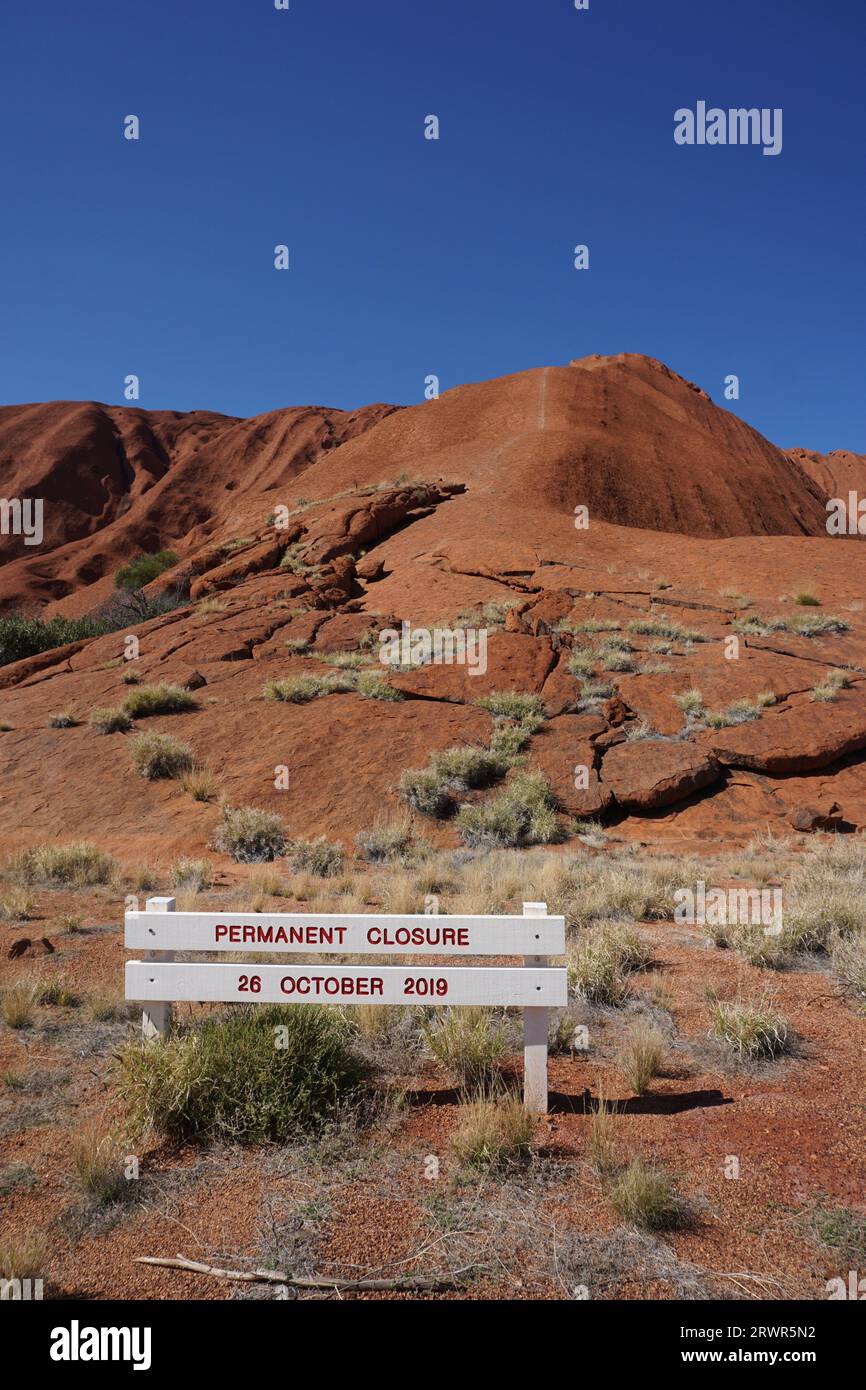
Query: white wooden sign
(158,980)
(347,933)
(346,984)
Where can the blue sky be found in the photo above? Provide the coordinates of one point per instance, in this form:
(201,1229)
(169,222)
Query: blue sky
(411,256)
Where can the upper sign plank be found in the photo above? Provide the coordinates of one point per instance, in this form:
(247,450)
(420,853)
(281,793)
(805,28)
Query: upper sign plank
(346,933)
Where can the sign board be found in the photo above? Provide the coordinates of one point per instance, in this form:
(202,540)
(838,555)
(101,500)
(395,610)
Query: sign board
(346,984)
(159,979)
(346,933)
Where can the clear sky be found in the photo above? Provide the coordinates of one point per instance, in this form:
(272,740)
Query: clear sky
(412,256)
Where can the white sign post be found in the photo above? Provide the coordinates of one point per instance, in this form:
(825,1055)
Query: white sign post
(535,987)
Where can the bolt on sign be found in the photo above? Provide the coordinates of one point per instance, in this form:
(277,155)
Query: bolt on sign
(535,986)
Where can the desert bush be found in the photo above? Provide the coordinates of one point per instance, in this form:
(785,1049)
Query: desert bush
(818,624)
(144,569)
(344,660)
(22,636)
(508,741)
(110,721)
(191,875)
(493,1133)
(592,691)
(469,1043)
(157,756)
(255,1074)
(320,856)
(158,699)
(641,1054)
(62,720)
(523,813)
(131,678)
(387,840)
(250,835)
(79,864)
(425,789)
(749,1028)
(645,1195)
(738,712)
(805,598)
(467,766)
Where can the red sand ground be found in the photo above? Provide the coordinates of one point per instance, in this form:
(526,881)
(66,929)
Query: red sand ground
(415,514)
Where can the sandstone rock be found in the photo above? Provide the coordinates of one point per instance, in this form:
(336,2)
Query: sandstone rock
(809,818)
(651,773)
(805,736)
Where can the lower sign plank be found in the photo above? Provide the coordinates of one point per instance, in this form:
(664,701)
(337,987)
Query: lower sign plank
(317,984)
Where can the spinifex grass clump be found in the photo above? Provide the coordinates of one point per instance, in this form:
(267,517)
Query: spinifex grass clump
(523,813)
(469,1043)
(750,1028)
(300,690)
(110,721)
(250,835)
(255,1074)
(157,756)
(602,959)
(646,1196)
(493,1134)
(79,864)
(158,699)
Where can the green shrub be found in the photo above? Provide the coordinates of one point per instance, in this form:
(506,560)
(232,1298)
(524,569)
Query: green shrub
(320,857)
(250,835)
(158,699)
(253,1075)
(110,721)
(145,568)
(22,636)
(157,756)
(523,813)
